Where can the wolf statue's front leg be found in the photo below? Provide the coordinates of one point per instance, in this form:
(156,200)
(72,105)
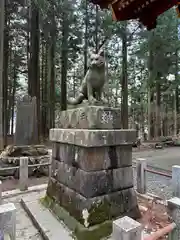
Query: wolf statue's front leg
(103,99)
(90,96)
(100,96)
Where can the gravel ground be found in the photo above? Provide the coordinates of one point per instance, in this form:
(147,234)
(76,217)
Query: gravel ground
(24,227)
(157,185)
(11,184)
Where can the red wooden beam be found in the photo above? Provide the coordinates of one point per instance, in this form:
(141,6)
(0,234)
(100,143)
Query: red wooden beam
(146,11)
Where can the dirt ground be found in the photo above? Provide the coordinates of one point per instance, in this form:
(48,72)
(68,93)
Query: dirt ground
(155,217)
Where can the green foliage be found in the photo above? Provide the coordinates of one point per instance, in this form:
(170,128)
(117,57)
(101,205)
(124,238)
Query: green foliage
(152,56)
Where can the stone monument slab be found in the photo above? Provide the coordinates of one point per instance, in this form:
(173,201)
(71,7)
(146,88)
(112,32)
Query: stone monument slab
(26,122)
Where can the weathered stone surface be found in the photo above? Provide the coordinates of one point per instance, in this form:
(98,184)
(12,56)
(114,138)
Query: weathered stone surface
(92,165)
(174,213)
(100,208)
(64,153)
(122,178)
(26,123)
(126,229)
(91,184)
(90,117)
(93,138)
(94,158)
(176,180)
(8,219)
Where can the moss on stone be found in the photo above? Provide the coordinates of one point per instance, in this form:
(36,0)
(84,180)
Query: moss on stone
(99,212)
(96,232)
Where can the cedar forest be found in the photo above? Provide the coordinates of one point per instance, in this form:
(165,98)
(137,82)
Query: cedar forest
(46,50)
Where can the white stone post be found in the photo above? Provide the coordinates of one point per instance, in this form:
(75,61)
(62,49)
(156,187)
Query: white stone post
(174,212)
(0,192)
(176,180)
(23,173)
(50,166)
(141,165)
(126,229)
(8,220)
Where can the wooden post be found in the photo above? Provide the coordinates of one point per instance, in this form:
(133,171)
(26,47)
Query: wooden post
(126,229)
(2,9)
(141,175)
(23,173)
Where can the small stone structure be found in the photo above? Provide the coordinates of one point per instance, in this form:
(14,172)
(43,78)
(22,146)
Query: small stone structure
(25,142)
(126,229)
(8,220)
(92,175)
(11,155)
(26,122)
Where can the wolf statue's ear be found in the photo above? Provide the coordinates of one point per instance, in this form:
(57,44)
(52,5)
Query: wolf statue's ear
(101,52)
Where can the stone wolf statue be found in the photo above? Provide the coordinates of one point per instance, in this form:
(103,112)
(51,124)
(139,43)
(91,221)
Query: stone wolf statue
(92,85)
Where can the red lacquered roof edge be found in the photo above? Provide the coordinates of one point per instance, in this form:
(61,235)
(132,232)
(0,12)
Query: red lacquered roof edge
(146,11)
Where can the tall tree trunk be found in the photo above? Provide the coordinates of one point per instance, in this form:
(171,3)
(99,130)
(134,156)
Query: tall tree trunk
(13,100)
(64,61)
(96,29)
(5,75)
(158,109)
(149,113)
(1,70)
(86,37)
(28,47)
(150,94)
(34,81)
(177,126)
(124,84)
(52,83)
(42,83)
(45,95)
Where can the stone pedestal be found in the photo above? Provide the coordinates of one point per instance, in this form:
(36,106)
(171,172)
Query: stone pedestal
(92,176)
(90,117)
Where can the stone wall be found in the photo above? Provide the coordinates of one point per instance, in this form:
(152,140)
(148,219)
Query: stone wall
(92,171)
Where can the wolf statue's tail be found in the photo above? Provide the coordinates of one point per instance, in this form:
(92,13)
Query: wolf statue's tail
(75,101)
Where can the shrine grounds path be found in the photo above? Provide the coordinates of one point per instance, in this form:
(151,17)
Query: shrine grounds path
(24,227)
(156,184)
(161,160)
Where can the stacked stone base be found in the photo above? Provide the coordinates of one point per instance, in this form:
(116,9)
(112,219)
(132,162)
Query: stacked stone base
(92,176)
(100,208)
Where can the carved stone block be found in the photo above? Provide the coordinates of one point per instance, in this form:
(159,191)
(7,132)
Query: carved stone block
(90,117)
(94,158)
(93,138)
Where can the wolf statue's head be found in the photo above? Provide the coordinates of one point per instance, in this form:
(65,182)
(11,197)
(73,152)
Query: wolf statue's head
(97,60)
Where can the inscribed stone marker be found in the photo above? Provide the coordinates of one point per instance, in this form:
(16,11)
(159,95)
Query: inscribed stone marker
(26,122)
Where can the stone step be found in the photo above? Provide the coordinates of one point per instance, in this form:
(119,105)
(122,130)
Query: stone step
(45,222)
